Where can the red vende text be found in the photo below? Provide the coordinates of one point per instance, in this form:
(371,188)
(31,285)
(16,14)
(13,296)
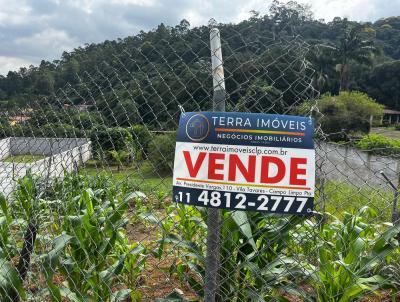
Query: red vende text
(217,170)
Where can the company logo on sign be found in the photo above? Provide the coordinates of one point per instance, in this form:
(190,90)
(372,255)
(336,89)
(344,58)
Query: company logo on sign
(197,127)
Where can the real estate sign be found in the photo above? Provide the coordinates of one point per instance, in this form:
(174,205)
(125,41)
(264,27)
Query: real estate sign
(245,161)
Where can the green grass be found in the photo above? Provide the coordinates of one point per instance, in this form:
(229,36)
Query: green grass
(141,177)
(342,197)
(389,132)
(23,158)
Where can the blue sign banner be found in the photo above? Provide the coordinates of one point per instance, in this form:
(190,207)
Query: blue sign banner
(254,129)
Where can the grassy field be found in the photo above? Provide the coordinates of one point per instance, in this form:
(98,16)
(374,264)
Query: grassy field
(142,177)
(342,197)
(23,158)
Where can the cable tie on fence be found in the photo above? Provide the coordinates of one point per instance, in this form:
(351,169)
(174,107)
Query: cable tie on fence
(310,115)
(182,109)
(312,109)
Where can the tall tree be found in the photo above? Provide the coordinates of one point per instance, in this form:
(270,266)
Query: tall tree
(354,45)
(383,83)
(321,61)
(288,16)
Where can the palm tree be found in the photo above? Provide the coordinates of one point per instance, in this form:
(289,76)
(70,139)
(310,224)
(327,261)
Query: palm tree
(353,46)
(320,60)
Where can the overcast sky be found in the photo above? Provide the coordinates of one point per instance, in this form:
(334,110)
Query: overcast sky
(32,30)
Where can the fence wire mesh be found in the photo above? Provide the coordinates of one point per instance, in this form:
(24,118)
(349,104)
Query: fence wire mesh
(87,212)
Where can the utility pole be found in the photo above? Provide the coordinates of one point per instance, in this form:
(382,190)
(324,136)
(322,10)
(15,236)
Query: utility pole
(213,217)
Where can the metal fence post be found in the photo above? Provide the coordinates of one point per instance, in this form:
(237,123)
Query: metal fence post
(214,219)
(395,214)
(395,211)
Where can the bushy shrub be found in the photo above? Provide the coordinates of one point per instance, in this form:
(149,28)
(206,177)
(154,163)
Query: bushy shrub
(107,139)
(21,130)
(342,115)
(161,153)
(379,144)
(86,120)
(5,128)
(58,130)
(141,138)
(120,157)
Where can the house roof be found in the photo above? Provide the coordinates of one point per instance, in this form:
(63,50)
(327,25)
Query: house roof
(390,111)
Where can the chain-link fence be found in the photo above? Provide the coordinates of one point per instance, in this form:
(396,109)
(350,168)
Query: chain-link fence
(87,213)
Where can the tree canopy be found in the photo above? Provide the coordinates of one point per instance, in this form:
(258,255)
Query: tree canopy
(143,76)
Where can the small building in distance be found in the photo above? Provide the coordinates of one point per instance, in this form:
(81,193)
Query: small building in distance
(19,117)
(16,119)
(80,108)
(390,116)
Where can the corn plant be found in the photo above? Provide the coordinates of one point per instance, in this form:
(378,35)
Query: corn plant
(391,269)
(182,233)
(135,263)
(10,281)
(85,253)
(253,264)
(7,245)
(73,184)
(178,224)
(11,287)
(351,253)
(25,203)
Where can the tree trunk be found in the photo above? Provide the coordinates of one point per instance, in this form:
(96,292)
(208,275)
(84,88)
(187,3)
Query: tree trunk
(25,255)
(29,242)
(344,77)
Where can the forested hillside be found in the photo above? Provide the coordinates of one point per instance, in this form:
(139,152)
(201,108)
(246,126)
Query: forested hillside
(345,55)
